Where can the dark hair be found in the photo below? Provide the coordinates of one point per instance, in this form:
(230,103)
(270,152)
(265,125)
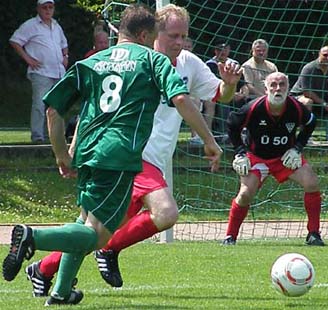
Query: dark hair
(136,18)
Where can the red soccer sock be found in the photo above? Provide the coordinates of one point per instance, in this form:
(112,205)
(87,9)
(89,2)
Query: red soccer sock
(237,215)
(49,265)
(312,204)
(138,228)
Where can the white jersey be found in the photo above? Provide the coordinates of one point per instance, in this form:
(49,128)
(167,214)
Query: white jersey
(202,84)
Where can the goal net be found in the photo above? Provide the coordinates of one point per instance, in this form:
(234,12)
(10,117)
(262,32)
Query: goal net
(295,31)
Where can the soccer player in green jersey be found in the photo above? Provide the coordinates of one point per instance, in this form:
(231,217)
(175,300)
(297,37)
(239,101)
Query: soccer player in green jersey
(120,89)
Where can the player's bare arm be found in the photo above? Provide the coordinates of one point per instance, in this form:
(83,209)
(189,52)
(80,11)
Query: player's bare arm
(195,120)
(71,149)
(230,74)
(56,128)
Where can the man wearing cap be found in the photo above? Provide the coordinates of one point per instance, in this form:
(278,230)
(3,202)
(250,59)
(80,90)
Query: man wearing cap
(221,55)
(41,43)
(221,51)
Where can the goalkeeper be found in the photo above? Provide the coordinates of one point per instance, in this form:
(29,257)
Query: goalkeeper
(271,146)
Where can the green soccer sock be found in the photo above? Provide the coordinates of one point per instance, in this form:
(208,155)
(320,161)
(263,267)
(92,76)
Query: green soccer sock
(70,238)
(68,268)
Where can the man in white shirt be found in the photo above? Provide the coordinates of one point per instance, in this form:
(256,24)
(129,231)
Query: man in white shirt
(150,188)
(41,43)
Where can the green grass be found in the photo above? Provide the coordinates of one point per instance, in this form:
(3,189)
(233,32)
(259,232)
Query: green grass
(22,135)
(15,136)
(182,275)
(35,196)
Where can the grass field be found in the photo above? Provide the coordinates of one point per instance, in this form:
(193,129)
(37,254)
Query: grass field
(15,136)
(182,275)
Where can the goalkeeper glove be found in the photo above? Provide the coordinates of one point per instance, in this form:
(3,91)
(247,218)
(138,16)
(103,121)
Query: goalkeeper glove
(241,164)
(292,159)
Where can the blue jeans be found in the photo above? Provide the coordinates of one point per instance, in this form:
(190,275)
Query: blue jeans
(40,86)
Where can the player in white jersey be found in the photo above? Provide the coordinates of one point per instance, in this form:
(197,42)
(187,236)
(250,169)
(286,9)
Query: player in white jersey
(150,188)
(201,84)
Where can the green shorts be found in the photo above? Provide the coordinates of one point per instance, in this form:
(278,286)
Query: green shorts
(105,193)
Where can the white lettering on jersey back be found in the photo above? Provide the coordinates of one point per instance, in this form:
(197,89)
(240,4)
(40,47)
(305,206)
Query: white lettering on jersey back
(107,66)
(119,54)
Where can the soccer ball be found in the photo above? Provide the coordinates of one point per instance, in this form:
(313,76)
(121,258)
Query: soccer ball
(292,274)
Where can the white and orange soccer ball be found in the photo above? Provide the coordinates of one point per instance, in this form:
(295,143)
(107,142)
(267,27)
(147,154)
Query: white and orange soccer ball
(292,275)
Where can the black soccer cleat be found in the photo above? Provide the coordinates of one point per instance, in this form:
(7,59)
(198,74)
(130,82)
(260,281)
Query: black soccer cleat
(108,267)
(21,247)
(229,240)
(74,298)
(41,284)
(314,238)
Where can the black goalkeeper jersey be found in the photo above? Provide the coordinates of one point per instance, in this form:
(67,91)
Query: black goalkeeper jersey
(270,136)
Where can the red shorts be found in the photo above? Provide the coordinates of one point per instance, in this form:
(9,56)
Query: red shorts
(262,168)
(145,182)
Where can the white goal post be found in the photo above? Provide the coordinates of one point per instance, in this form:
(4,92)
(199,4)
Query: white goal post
(167,235)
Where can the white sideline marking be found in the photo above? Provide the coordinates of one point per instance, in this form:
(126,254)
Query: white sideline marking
(141,287)
(125,288)
(321,285)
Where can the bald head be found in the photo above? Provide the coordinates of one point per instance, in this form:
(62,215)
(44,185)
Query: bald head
(276,76)
(101,40)
(323,55)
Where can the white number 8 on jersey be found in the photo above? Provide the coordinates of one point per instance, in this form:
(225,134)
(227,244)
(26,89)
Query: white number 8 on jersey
(110,100)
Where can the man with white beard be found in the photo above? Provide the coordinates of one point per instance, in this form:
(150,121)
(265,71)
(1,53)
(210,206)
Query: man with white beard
(278,128)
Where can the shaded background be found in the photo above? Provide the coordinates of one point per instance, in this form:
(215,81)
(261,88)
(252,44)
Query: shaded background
(295,31)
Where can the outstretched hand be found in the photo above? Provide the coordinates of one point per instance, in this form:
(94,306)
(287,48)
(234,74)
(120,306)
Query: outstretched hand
(230,72)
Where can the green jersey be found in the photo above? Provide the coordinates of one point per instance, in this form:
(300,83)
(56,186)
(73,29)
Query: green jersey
(120,90)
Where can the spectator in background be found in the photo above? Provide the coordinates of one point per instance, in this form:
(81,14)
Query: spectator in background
(278,128)
(41,43)
(257,68)
(99,26)
(188,44)
(222,51)
(100,42)
(311,87)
